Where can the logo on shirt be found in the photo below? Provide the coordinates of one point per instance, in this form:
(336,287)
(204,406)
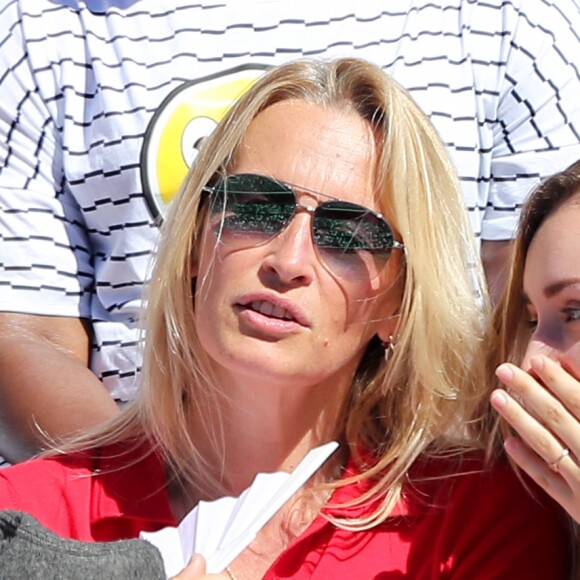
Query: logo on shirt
(186,116)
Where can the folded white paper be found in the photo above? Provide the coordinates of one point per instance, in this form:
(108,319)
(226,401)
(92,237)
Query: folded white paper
(220,530)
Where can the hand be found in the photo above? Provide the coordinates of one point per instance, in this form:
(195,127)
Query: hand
(545,412)
(195,570)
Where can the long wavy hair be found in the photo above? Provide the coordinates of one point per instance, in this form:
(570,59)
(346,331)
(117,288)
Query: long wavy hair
(510,328)
(413,405)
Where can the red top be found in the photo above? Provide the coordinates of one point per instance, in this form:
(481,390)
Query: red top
(476,525)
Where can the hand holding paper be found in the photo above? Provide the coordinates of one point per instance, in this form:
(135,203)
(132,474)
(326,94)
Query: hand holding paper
(220,530)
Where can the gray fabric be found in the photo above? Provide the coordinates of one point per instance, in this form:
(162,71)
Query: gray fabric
(29,551)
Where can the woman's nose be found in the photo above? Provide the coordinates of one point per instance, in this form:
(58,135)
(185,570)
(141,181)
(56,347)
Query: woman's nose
(291,258)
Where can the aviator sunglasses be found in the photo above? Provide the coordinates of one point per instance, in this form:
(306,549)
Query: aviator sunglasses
(353,241)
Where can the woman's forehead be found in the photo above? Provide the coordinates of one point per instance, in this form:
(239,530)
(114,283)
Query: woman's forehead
(329,151)
(551,256)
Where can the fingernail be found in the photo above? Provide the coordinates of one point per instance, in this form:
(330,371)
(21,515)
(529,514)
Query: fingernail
(504,373)
(537,363)
(498,399)
(510,445)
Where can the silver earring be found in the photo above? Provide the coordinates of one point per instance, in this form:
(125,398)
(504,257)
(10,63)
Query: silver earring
(389,347)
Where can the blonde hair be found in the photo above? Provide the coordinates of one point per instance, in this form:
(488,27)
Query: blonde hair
(397,411)
(510,328)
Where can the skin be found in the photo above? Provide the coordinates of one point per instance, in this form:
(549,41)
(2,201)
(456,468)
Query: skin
(319,155)
(542,400)
(286,385)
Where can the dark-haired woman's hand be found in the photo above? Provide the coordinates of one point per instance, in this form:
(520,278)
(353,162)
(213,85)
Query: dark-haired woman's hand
(543,406)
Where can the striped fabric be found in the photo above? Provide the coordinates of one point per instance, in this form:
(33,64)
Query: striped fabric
(82,84)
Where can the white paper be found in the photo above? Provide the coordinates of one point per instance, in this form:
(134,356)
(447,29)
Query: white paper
(220,530)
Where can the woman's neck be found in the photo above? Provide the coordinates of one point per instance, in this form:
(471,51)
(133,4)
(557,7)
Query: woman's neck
(270,428)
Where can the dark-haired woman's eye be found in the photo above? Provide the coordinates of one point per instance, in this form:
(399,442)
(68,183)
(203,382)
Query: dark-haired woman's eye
(531,323)
(572,314)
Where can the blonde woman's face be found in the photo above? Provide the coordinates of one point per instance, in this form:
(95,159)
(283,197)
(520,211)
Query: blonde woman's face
(275,311)
(552,287)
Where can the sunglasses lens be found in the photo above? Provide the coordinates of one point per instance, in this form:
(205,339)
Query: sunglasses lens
(251,208)
(349,227)
(353,241)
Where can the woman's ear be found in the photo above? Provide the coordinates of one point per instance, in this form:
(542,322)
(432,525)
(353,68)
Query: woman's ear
(388,334)
(388,328)
(391,302)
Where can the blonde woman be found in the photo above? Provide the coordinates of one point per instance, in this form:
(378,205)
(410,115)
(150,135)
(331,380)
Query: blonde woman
(312,285)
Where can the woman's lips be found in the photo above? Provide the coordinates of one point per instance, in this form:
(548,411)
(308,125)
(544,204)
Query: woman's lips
(273,310)
(272,313)
(266,325)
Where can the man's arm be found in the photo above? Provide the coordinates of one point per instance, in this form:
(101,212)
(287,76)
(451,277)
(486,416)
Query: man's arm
(45,383)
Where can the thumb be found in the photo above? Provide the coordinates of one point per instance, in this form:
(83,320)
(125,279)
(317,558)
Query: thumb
(194,569)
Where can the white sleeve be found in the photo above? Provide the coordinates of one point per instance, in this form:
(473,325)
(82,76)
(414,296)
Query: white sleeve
(45,257)
(537,124)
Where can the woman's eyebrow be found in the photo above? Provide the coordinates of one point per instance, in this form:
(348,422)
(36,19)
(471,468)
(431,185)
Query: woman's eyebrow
(556,287)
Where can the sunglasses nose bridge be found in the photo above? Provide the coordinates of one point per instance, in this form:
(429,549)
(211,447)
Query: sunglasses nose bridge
(310,210)
(296,223)
(292,253)
(305,208)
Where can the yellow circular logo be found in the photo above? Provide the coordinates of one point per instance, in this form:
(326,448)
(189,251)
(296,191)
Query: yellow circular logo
(186,116)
